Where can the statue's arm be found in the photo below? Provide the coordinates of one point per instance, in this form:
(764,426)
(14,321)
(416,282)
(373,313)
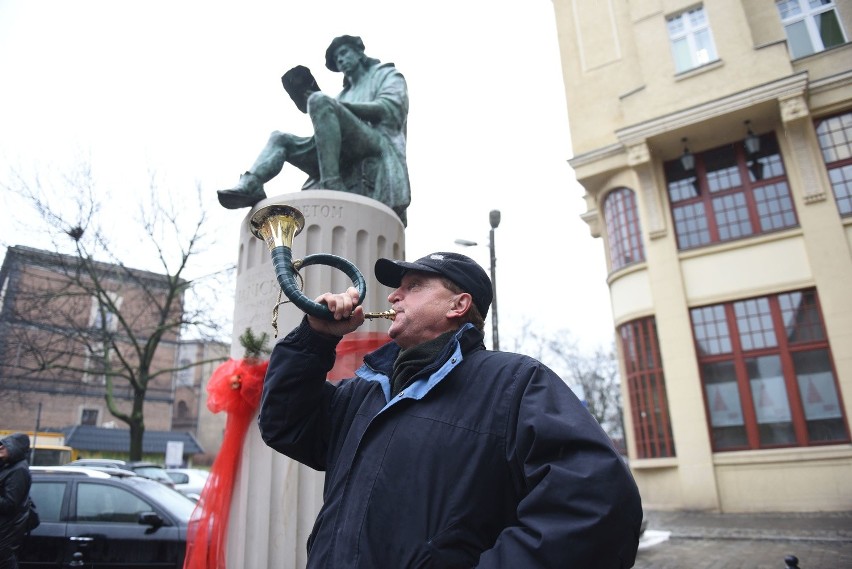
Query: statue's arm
(392,95)
(370,112)
(390,102)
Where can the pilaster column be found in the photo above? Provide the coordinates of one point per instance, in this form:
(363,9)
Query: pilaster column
(639,158)
(796,118)
(824,233)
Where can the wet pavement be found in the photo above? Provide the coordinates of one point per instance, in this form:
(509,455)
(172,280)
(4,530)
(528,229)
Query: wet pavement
(698,540)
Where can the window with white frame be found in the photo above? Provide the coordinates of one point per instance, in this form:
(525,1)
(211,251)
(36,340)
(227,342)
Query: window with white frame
(103,315)
(691,39)
(89,416)
(811,26)
(95,365)
(185,376)
(835,141)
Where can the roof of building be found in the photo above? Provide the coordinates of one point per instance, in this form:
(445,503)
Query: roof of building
(86,437)
(62,262)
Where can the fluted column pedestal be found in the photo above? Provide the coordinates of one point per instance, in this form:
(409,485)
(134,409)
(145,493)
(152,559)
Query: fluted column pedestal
(276,499)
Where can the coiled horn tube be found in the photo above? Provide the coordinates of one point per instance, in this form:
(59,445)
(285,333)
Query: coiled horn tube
(277,225)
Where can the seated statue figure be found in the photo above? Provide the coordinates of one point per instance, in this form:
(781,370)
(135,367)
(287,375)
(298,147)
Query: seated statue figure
(359,136)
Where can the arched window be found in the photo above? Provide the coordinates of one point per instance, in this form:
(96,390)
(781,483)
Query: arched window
(646,385)
(623,230)
(182,410)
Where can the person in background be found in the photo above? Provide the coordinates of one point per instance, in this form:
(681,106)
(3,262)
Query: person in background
(15,482)
(440,453)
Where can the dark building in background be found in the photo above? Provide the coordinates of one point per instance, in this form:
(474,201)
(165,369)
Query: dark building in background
(51,361)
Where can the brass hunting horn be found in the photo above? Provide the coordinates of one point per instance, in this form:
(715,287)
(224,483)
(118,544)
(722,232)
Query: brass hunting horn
(277,225)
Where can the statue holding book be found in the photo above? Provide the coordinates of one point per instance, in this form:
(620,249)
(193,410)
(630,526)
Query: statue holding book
(359,137)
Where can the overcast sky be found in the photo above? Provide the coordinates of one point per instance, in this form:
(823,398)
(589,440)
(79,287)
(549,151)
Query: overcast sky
(191,89)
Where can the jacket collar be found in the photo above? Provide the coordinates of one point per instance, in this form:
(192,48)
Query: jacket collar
(378,365)
(466,339)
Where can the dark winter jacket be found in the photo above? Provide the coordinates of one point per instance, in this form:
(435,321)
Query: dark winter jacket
(15,482)
(486,460)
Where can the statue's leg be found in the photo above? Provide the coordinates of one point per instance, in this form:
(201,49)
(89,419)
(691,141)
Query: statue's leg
(269,163)
(334,124)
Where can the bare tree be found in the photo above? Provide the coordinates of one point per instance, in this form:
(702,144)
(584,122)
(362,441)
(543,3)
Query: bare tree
(596,375)
(592,374)
(81,320)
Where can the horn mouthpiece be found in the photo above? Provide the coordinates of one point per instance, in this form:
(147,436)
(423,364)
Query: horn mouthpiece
(389,314)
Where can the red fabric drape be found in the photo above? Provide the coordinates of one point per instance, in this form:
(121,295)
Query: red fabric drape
(351,351)
(235,388)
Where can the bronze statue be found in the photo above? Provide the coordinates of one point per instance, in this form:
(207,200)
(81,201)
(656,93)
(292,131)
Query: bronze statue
(359,136)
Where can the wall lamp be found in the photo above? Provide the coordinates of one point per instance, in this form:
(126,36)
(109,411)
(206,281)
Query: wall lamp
(752,141)
(687,159)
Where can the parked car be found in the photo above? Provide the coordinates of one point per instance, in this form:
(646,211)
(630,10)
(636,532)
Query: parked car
(190,481)
(92,518)
(150,470)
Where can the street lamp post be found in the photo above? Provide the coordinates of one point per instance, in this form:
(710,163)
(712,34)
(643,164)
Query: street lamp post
(494,220)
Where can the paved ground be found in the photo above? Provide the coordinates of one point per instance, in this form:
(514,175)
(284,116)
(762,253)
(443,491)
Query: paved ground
(693,540)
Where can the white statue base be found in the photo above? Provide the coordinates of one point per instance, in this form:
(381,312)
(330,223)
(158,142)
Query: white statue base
(276,500)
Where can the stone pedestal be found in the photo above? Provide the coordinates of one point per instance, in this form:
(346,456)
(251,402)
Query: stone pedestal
(276,500)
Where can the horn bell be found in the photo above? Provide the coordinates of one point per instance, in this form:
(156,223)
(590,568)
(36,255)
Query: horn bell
(277,225)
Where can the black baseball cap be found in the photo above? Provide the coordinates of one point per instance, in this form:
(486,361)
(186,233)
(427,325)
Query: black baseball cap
(462,270)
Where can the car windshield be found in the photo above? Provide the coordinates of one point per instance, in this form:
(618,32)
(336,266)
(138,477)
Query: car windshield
(178,477)
(96,462)
(176,503)
(153,472)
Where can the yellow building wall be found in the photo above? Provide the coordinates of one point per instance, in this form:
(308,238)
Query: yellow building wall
(770,263)
(628,112)
(793,480)
(848,231)
(631,295)
(617,60)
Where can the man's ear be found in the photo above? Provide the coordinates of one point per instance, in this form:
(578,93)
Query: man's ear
(461,304)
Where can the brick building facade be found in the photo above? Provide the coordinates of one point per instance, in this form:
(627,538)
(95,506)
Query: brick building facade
(190,394)
(55,330)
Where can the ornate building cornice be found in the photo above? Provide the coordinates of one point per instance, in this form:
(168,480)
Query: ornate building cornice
(787,88)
